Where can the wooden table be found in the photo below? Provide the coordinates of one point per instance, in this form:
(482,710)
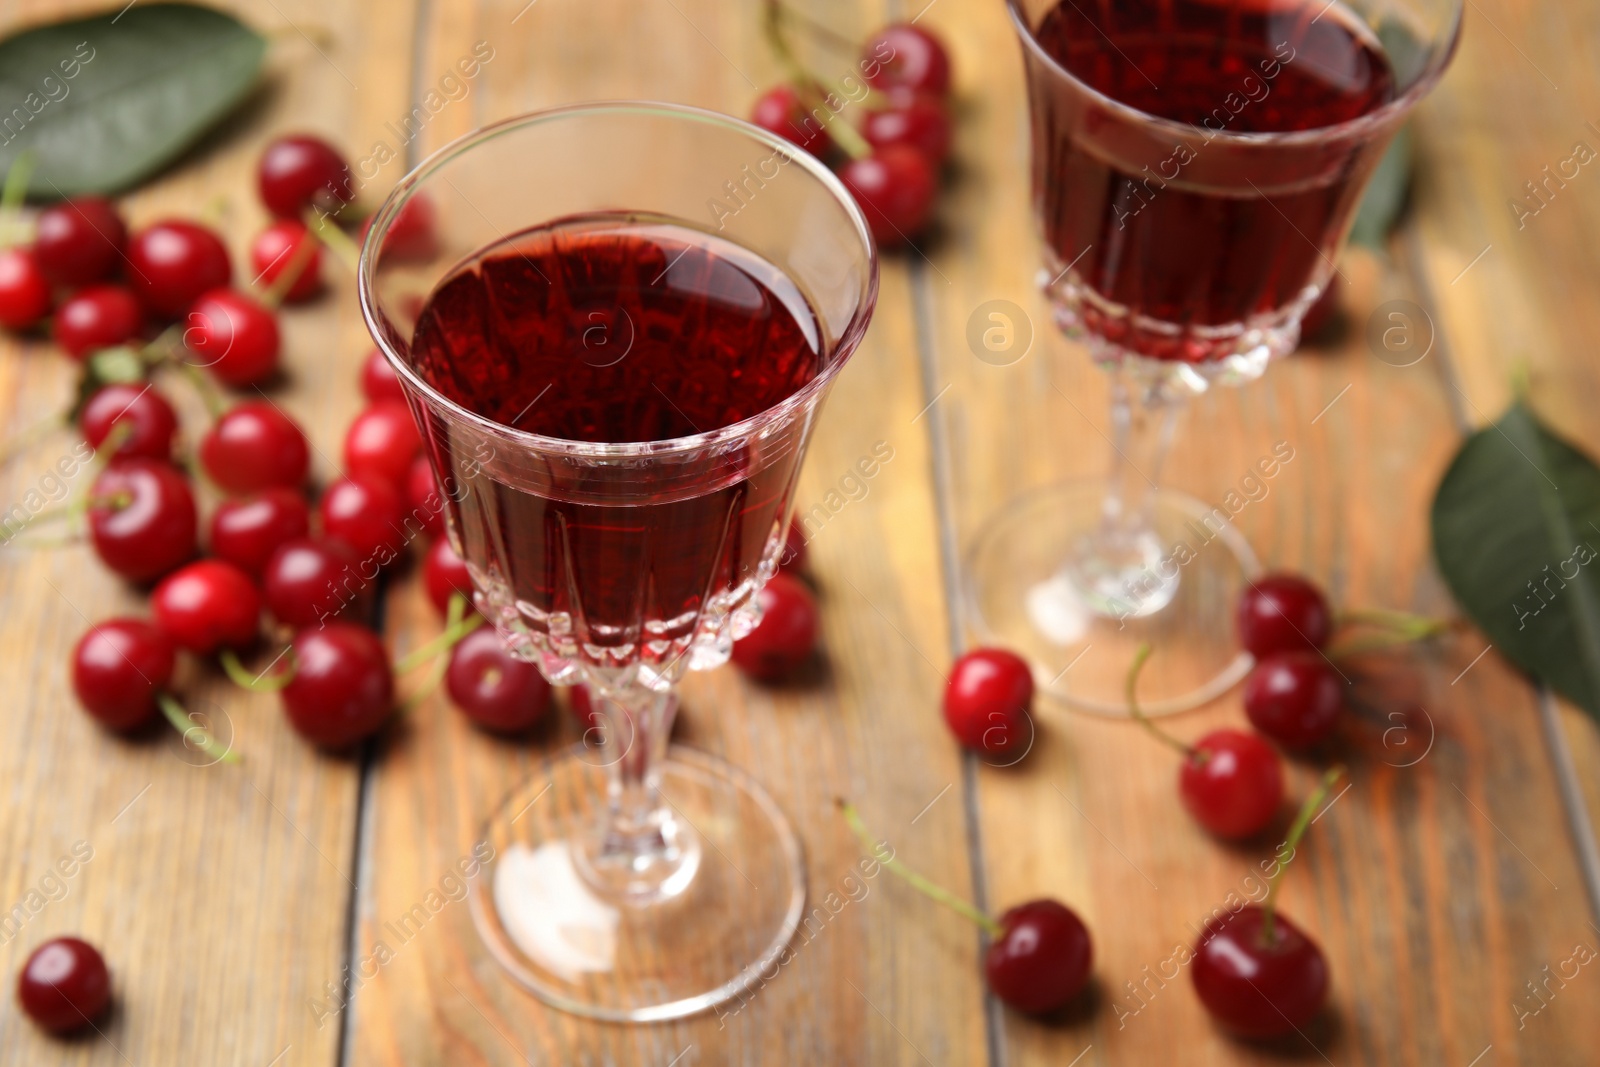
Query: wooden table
(1457,874)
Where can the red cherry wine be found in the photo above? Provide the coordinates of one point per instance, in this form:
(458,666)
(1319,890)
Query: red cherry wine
(1172,233)
(618,329)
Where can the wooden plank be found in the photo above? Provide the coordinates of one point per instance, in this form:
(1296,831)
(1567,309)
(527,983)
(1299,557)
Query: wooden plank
(864,989)
(218,893)
(1511,271)
(1433,888)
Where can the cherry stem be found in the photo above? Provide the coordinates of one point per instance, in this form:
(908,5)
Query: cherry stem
(240,675)
(1394,628)
(452,635)
(809,87)
(190,729)
(1297,830)
(930,889)
(334,239)
(298,262)
(454,614)
(12,196)
(1137,714)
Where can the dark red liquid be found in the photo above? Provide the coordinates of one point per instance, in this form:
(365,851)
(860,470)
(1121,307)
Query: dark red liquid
(617,330)
(1173,225)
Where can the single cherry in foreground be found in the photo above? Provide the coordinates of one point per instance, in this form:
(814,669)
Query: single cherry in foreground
(246,532)
(142,518)
(381,442)
(97,317)
(989,699)
(118,667)
(234,337)
(65,985)
(1040,954)
(786,634)
(300,171)
(307,582)
(367,515)
(172,262)
(896,187)
(1256,972)
(287,246)
(1230,781)
(255,446)
(24,292)
(207,606)
(79,241)
(343,686)
(495,689)
(148,420)
(1042,957)
(1280,612)
(1294,698)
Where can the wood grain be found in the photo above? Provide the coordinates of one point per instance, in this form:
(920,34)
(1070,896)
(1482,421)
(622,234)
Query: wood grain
(218,893)
(890,979)
(1436,889)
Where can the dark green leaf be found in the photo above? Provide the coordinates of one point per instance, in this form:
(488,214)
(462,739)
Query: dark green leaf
(107,101)
(1516,534)
(1386,195)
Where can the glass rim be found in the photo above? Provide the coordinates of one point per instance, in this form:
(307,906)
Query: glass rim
(1375,118)
(801,398)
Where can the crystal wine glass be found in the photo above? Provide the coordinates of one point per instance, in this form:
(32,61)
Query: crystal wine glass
(1197,165)
(616,346)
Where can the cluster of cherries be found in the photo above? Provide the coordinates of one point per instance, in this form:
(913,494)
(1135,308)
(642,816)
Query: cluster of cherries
(1254,970)
(891,159)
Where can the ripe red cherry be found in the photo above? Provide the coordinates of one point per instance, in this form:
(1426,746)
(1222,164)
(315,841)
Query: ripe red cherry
(1232,783)
(151,423)
(367,516)
(424,498)
(65,985)
(234,337)
(206,606)
(1280,612)
(921,122)
(307,582)
(246,532)
(781,111)
(24,293)
(378,379)
(79,241)
(1294,698)
(906,56)
(142,519)
(793,558)
(786,634)
(299,172)
(172,262)
(255,446)
(343,687)
(1253,986)
(988,700)
(443,573)
(381,443)
(118,667)
(278,248)
(495,689)
(1042,959)
(895,187)
(97,317)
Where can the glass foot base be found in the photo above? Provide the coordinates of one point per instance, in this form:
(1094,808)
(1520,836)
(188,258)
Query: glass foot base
(1079,625)
(717,935)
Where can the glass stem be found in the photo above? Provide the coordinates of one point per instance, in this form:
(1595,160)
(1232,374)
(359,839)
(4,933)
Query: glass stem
(641,851)
(1142,429)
